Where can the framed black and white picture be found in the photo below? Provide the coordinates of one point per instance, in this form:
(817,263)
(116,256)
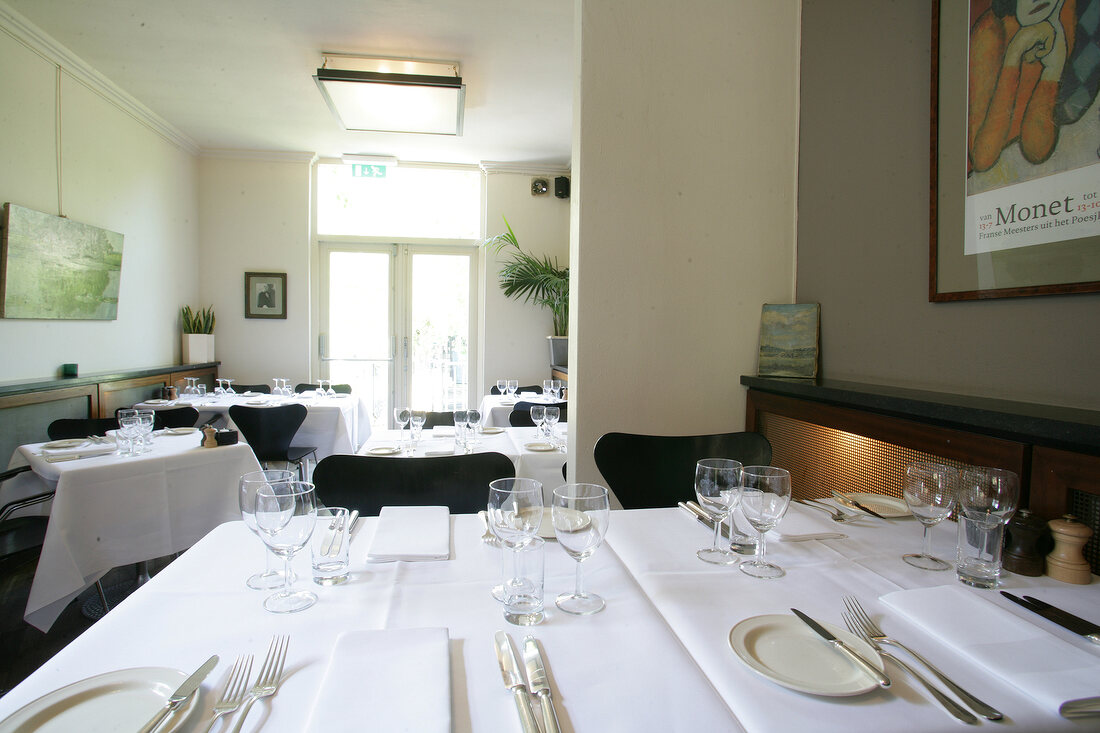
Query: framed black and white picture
(265,295)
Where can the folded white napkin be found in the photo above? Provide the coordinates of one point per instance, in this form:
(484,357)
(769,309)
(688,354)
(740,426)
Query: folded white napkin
(1021,653)
(85,450)
(797,526)
(444,431)
(399,678)
(411,533)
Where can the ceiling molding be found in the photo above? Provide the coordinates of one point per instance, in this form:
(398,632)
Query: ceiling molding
(272,156)
(529,169)
(38,41)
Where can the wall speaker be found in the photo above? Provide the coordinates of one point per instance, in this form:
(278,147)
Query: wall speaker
(561,187)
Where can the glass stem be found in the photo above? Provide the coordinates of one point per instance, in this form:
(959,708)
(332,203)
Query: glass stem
(286,577)
(760,547)
(927,551)
(717,532)
(578,590)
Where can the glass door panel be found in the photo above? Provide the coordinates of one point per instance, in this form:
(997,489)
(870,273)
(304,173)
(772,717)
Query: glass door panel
(439,343)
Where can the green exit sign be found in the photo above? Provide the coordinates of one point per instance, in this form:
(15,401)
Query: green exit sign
(362,170)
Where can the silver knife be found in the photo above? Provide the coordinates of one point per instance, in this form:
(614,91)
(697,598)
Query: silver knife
(1084,708)
(513,680)
(540,686)
(843,648)
(856,504)
(696,511)
(181,694)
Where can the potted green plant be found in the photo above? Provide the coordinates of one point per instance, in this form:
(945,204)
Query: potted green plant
(539,281)
(198,335)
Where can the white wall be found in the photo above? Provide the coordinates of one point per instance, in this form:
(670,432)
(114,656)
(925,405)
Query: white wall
(513,339)
(254,217)
(117,173)
(684,174)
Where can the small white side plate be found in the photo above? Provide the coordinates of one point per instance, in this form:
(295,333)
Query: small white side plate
(181,431)
(492,431)
(787,652)
(120,700)
(539,447)
(887,506)
(384,450)
(67,443)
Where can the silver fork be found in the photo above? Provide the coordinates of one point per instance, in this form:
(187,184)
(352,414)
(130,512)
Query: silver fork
(878,635)
(233,693)
(950,705)
(268,680)
(835,514)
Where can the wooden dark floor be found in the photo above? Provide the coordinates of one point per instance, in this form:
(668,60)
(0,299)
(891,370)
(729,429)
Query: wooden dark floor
(23,648)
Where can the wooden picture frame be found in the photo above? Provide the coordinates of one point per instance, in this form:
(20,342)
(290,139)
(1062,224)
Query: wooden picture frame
(979,245)
(265,295)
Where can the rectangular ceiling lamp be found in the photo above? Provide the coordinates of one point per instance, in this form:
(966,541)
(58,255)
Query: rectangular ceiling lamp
(393,95)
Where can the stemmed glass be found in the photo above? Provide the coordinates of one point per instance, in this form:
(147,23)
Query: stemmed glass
(276,390)
(201,387)
(718,488)
(930,490)
(401,416)
(229,387)
(285,515)
(127,432)
(552,416)
(515,513)
(765,496)
(330,392)
(473,424)
(462,418)
(250,483)
(145,422)
(502,386)
(219,389)
(555,385)
(538,416)
(580,513)
(513,385)
(190,388)
(416,426)
(547,387)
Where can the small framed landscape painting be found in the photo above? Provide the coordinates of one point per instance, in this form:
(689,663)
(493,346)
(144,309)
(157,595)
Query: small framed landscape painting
(265,295)
(789,340)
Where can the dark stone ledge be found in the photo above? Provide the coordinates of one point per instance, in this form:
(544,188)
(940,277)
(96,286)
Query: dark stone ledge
(49,383)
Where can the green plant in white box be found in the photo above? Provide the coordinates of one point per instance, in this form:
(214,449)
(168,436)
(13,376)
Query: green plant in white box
(198,334)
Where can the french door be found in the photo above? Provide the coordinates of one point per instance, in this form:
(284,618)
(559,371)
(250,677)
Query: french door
(396,323)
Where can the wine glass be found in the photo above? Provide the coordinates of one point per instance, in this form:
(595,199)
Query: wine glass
(249,484)
(552,416)
(401,416)
(555,385)
(515,513)
(462,418)
(286,513)
(580,513)
(145,422)
(330,392)
(513,385)
(229,386)
(502,386)
(219,389)
(276,391)
(547,387)
(930,491)
(127,431)
(416,426)
(190,388)
(765,496)
(473,424)
(718,488)
(538,416)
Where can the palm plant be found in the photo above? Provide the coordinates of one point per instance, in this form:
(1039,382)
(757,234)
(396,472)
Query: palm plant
(539,281)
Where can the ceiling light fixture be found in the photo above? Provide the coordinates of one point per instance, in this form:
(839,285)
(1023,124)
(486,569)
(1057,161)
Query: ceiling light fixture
(393,95)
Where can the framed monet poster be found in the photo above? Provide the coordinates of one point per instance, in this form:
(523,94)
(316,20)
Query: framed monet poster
(1015,149)
(265,295)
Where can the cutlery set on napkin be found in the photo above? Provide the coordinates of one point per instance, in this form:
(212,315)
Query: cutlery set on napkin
(791,529)
(94,445)
(535,683)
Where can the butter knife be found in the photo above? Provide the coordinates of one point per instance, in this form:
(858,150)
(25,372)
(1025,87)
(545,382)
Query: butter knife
(1065,619)
(697,512)
(513,680)
(844,649)
(181,694)
(857,505)
(539,685)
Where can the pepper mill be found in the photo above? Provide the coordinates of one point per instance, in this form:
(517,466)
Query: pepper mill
(211,439)
(1066,562)
(1027,541)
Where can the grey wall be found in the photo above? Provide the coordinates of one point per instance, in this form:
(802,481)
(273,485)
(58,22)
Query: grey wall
(863,229)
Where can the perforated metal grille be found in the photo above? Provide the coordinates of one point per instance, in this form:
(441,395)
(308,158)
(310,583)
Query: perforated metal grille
(1086,507)
(822,459)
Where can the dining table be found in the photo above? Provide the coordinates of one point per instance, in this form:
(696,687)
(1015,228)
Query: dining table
(495,408)
(110,510)
(659,657)
(534,456)
(334,424)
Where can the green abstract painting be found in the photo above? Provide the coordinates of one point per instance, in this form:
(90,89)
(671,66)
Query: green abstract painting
(789,340)
(52,267)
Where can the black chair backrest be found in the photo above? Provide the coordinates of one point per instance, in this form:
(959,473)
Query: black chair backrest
(306,387)
(368,483)
(525,388)
(520,416)
(176,417)
(80,427)
(257,388)
(431,419)
(647,471)
(269,430)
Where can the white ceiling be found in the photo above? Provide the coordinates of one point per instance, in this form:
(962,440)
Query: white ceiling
(237,74)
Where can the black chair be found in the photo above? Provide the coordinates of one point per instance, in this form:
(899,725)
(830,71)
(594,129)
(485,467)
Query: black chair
(176,417)
(20,534)
(80,427)
(257,388)
(432,419)
(525,388)
(520,416)
(647,471)
(368,483)
(270,430)
(306,387)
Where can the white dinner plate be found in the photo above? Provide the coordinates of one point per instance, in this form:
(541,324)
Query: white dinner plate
(250,394)
(539,447)
(256,402)
(507,403)
(384,450)
(887,506)
(181,431)
(491,431)
(786,651)
(156,402)
(122,700)
(67,443)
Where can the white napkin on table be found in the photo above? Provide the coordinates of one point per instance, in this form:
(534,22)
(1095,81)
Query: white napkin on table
(1022,654)
(443,431)
(85,450)
(411,533)
(397,680)
(798,527)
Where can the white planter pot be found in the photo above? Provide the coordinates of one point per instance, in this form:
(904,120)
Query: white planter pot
(198,348)
(559,350)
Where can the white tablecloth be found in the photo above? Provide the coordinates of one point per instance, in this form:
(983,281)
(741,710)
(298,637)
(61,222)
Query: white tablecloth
(110,511)
(495,409)
(544,466)
(333,424)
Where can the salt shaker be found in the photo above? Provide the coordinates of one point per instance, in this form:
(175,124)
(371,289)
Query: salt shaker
(1066,562)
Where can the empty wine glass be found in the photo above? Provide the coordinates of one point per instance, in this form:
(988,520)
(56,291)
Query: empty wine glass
(515,514)
(765,496)
(276,390)
(287,391)
(513,385)
(229,387)
(555,385)
(219,389)
(190,388)
(580,513)
(285,515)
(473,425)
(126,433)
(146,421)
(330,392)
(552,416)
(502,386)
(718,488)
(930,491)
(538,416)
(547,387)
(249,484)
(461,420)
(416,426)
(401,416)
